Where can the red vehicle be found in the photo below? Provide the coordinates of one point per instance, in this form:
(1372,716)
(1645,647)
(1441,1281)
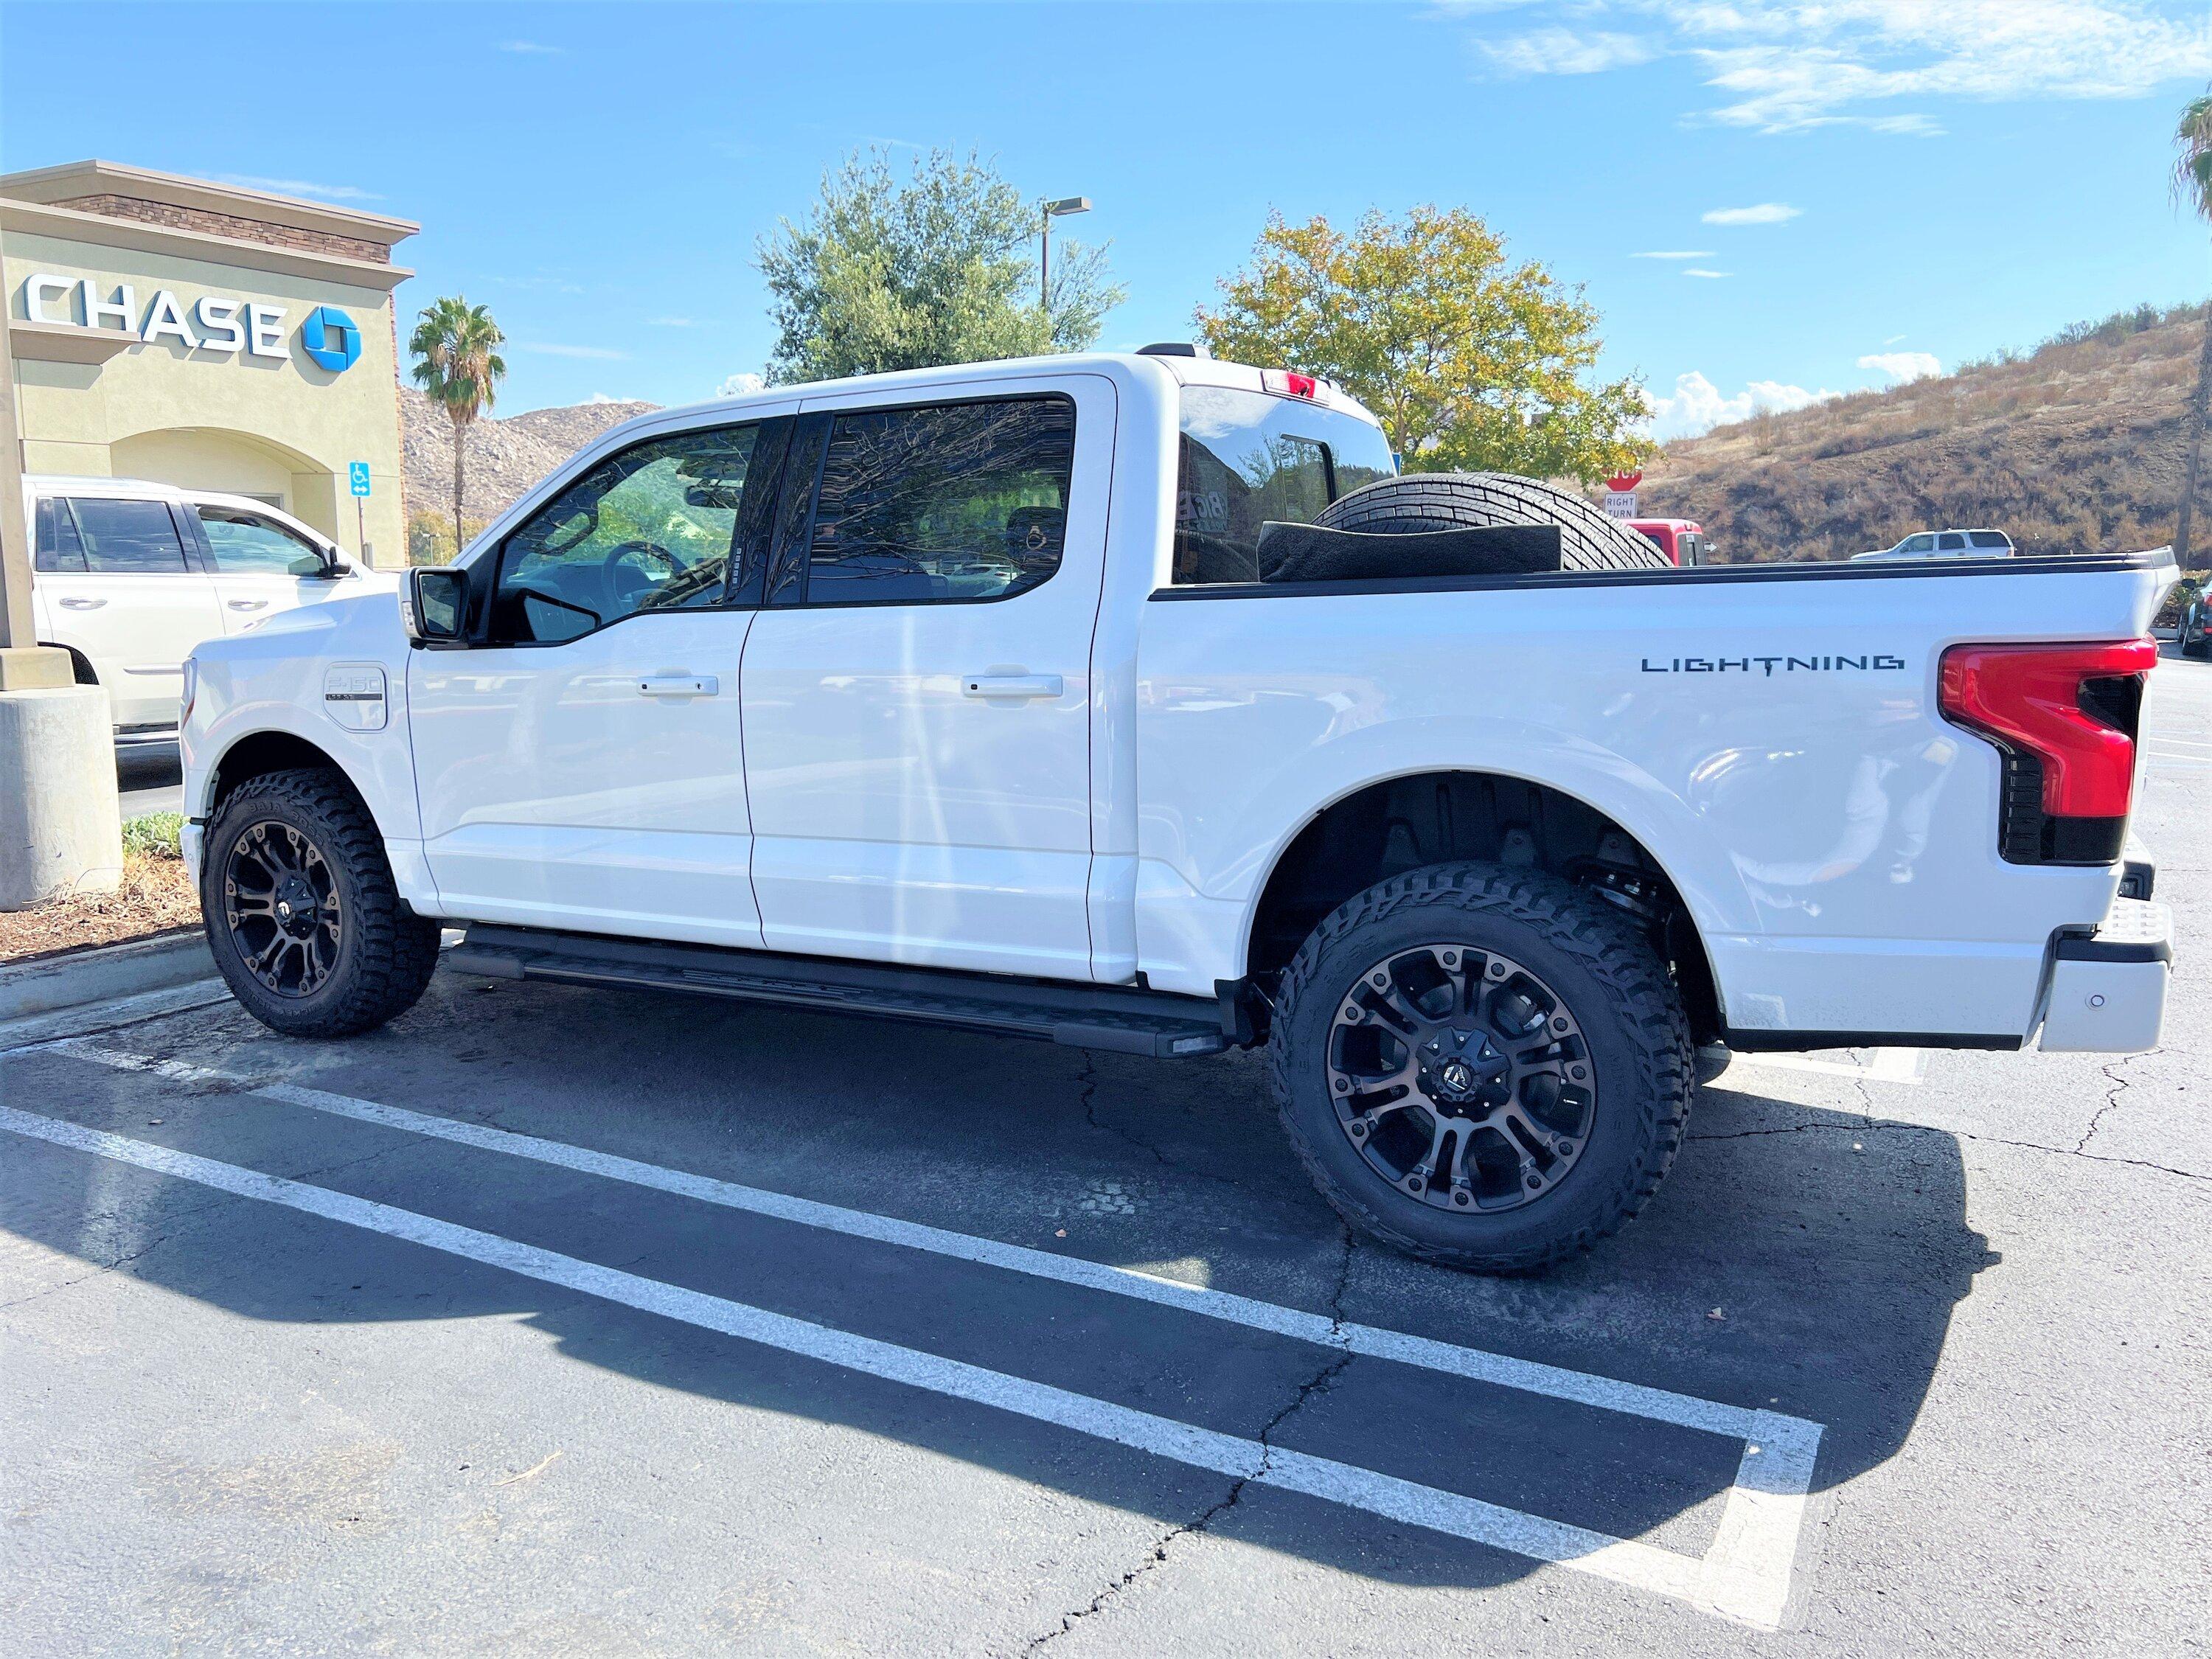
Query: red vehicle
(1680,539)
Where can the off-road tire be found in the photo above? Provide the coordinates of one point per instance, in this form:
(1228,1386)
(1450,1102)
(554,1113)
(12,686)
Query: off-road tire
(385,953)
(1604,970)
(1589,540)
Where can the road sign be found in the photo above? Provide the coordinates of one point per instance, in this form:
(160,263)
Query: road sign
(1626,481)
(357,475)
(1620,503)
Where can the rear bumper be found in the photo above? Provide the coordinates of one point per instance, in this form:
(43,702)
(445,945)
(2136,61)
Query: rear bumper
(2107,992)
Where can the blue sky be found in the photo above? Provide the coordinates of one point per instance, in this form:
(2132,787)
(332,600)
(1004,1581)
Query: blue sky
(1939,177)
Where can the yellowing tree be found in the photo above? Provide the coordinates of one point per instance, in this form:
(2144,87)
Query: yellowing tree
(1471,363)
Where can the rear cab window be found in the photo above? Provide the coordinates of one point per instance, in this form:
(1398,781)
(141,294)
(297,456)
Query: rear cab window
(1248,457)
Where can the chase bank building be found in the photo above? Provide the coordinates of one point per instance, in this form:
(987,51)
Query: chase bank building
(207,335)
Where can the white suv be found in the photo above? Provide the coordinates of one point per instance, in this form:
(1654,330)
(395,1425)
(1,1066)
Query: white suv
(129,575)
(1947,544)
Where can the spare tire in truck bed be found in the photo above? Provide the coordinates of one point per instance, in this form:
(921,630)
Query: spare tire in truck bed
(1589,540)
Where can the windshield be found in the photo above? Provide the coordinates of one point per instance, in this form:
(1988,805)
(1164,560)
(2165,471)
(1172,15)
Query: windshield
(1248,457)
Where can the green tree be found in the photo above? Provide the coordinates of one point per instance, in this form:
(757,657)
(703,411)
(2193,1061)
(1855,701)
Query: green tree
(2192,186)
(939,269)
(457,363)
(1470,362)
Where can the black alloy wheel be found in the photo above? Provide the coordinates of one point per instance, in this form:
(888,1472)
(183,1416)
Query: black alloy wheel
(303,916)
(1462,1078)
(1481,1066)
(281,906)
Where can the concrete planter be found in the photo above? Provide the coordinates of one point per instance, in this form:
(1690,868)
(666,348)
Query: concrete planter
(106,972)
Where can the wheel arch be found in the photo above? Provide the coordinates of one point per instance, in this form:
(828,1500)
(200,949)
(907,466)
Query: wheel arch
(257,754)
(1383,826)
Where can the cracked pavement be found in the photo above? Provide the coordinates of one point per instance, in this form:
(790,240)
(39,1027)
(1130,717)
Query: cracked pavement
(232,1428)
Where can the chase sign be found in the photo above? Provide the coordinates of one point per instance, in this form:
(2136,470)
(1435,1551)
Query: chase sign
(330,338)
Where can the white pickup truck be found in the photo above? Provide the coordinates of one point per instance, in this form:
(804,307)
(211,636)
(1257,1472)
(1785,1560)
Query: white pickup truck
(1028,697)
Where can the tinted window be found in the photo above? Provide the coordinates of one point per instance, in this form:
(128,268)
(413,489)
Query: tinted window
(128,538)
(58,549)
(245,543)
(1248,457)
(647,529)
(957,502)
(1987,539)
(1950,543)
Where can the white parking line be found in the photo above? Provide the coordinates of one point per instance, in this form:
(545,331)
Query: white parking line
(1745,1575)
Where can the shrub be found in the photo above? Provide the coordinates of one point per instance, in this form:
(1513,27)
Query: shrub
(155,835)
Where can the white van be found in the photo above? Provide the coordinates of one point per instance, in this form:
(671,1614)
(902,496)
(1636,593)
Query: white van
(129,575)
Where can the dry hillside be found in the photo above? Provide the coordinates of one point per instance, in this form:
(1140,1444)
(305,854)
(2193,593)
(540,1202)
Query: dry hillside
(505,456)
(2073,448)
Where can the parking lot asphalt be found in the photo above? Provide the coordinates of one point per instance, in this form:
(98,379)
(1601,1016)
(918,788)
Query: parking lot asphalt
(548,1321)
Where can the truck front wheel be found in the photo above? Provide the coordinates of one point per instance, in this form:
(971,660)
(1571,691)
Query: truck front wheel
(1481,1066)
(305,921)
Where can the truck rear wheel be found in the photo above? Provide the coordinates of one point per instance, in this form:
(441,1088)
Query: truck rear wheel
(1481,1066)
(1589,540)
(302,915)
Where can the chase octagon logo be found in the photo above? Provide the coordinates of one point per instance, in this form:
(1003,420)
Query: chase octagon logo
(331,338)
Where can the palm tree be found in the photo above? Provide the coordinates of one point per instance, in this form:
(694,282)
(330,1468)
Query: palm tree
(2192,184)
(456,347)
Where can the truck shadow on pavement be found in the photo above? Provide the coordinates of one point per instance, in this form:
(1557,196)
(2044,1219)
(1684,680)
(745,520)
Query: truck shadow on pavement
(1801,1258)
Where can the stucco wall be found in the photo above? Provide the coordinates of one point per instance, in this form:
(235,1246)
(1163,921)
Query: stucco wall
(304,420)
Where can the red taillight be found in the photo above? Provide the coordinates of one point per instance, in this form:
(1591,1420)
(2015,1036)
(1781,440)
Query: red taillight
(2048,701)
(1290,384)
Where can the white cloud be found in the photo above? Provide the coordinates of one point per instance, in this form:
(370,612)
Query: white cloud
(1697,405)
(1903,365)
(1764,213)
(532,49)
(1787,65)
(298,187)
(604,397)
(671,322)
(742,386)
(1566,51)
(544,350)
(1699,270)
(1701,253)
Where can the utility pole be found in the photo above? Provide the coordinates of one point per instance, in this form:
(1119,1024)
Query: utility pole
(60,829)
(1053,211)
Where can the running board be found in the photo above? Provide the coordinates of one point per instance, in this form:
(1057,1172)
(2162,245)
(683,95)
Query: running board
(1118,1017)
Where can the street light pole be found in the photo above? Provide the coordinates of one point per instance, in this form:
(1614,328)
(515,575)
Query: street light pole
(1053,211)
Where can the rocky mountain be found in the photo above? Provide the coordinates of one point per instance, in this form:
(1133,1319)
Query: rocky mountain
(2076,446)
(505,455)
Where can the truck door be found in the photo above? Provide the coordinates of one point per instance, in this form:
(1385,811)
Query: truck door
(116,585)
(582,766)
(917,689)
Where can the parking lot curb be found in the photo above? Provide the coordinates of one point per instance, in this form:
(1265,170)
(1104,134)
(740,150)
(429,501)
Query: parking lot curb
(46,985)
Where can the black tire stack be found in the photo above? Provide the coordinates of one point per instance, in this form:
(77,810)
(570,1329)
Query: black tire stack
(1589,540)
